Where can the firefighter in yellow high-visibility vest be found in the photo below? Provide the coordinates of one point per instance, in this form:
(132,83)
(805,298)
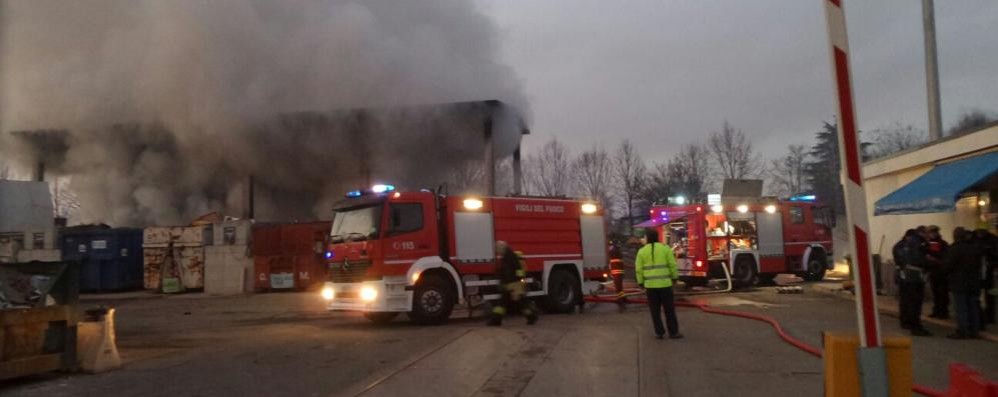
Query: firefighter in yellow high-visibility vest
(511,270)
(655,268)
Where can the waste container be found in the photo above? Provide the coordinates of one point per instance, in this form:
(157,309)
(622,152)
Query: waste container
(110,259)
(37,317)
(288,256)
(174,257)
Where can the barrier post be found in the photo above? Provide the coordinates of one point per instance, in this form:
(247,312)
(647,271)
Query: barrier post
(871,357)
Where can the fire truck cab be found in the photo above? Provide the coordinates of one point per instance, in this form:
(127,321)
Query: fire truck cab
(422,253)
(748,240)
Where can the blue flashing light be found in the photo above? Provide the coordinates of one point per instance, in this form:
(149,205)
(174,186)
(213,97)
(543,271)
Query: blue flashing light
(804,197)
(378,189)
(354,194)
(329,254)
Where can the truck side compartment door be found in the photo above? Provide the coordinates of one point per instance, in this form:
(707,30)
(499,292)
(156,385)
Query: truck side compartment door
(594,255)
(797,232)
(771,248)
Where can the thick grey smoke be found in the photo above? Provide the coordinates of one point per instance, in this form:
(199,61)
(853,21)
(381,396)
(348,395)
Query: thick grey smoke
(169,105)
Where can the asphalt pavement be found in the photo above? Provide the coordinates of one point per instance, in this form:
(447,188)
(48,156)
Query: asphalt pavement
(286,344)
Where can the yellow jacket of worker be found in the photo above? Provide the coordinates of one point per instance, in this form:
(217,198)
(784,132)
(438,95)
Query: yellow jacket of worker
(655,266)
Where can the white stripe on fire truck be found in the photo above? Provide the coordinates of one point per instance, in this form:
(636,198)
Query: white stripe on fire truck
(808,242)
(534,256)
(554,256)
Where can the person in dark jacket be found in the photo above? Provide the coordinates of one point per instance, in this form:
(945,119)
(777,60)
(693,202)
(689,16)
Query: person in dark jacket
(988,243)
(963,264)
(909,257)
(937,276)
(617,273)
(511,270)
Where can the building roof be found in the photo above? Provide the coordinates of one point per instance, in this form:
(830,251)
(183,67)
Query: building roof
(946,149)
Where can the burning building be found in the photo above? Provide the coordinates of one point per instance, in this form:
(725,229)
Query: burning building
(165,110)
(297,165)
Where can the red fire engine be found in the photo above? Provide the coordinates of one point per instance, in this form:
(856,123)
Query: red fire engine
(748,240)
(421,252)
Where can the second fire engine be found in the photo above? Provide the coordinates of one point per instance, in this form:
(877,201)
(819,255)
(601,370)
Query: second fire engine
(747,240)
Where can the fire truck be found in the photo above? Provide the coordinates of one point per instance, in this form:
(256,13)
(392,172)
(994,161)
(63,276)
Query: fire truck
(747,240)
(422,252)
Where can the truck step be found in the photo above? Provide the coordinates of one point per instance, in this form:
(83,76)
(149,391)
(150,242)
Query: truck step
(483,283)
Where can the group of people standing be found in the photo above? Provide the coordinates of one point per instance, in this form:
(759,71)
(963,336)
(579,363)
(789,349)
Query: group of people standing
(958,274)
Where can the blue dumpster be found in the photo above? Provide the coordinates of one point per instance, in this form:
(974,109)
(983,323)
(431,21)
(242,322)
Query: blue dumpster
(110,258)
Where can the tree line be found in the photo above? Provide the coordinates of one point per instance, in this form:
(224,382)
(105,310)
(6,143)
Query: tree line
(626,185)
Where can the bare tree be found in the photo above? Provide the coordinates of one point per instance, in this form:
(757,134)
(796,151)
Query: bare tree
(894,138)
(658,184)
(469,178)
(504,176)
(689,172)
(65,203)
(787,173)
(592,169)
(971,121)
(733,153)
(629,171)
(547,172)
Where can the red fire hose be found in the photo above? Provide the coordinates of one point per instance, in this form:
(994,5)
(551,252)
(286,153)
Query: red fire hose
(703,306)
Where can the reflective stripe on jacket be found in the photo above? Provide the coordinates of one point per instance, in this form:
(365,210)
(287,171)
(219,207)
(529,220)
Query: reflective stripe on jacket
(616,266)
(655,266)
(521,271)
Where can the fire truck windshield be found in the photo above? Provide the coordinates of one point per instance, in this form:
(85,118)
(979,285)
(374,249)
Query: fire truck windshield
(356,224)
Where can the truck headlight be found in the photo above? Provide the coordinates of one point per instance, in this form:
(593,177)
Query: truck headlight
(368,294)
(328,293)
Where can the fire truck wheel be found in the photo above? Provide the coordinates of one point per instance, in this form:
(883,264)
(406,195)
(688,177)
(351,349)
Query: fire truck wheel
(815,270)
(432,301)
(564,292)
(381,317)
(744,274)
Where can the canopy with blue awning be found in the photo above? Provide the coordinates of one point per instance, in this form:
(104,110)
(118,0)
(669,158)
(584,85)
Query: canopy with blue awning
(939,189)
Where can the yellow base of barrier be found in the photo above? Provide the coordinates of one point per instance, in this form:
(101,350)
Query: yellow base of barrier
(842,364)
(96,348)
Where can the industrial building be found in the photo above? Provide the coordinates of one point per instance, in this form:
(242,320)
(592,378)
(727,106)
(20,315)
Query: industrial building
(27,228)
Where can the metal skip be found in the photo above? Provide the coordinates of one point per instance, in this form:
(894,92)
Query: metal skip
(173,258)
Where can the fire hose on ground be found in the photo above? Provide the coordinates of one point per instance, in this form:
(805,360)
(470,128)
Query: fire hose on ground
(704,307)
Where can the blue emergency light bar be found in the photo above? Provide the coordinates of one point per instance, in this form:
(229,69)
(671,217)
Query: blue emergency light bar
(376,189)
(803,197)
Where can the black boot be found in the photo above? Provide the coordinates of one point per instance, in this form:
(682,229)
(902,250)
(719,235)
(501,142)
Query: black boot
(531,318)
(494,321)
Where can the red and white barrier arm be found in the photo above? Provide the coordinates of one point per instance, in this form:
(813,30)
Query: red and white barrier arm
(852,178)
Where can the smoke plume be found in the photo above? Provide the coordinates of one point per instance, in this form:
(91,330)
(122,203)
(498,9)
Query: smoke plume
(160,110)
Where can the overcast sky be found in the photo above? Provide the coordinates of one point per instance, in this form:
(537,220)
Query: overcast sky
(666,73)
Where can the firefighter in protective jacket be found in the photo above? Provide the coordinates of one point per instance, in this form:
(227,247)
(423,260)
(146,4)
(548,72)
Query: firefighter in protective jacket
(511,271)
(617,269)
